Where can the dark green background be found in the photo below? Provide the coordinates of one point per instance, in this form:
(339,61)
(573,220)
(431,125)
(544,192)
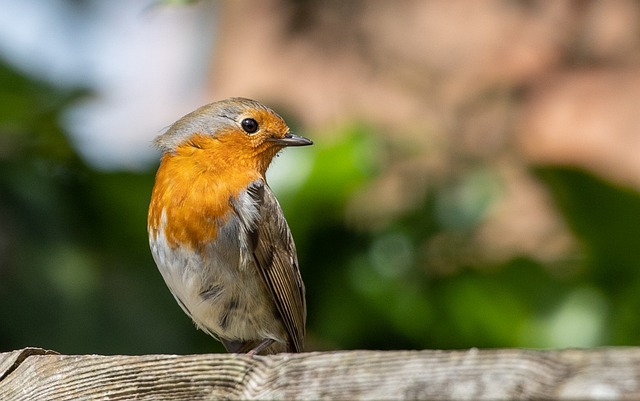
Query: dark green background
(76,274)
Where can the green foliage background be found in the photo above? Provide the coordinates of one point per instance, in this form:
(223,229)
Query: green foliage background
(76,274)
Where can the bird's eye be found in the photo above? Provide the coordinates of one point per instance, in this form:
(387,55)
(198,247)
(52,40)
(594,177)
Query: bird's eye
(249,125)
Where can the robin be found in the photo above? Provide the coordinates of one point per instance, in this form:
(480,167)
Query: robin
(217,232)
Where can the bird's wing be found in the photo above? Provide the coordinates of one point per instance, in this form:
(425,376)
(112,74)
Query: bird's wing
(274,252)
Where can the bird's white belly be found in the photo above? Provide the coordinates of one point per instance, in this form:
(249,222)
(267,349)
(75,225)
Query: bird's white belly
(223,298)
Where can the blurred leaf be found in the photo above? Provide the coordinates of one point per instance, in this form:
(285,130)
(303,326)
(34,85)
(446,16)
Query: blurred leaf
(606,219)
(340,167)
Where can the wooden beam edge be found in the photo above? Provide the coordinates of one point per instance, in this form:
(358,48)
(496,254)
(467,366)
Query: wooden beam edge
(609,373)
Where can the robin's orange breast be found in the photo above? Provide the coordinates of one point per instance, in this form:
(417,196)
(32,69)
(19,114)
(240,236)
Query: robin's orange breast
(193,189)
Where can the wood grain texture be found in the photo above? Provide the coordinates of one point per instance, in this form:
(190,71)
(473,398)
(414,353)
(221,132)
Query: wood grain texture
(608,373)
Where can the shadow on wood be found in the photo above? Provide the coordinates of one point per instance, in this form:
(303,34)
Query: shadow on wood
(607,373)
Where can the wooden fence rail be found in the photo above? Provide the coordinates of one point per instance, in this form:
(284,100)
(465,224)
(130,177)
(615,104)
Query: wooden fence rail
(514,374)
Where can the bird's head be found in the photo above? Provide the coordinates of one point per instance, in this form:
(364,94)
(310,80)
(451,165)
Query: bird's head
(234,130)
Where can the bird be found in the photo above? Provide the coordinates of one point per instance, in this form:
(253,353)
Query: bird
(217,232)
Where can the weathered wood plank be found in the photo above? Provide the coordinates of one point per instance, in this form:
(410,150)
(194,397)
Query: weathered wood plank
(608,373)
(11,360)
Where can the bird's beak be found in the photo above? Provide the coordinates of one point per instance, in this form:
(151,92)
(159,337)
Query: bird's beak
(291,140)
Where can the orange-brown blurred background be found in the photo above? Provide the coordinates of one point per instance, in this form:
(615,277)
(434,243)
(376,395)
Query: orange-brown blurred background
(474,179)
